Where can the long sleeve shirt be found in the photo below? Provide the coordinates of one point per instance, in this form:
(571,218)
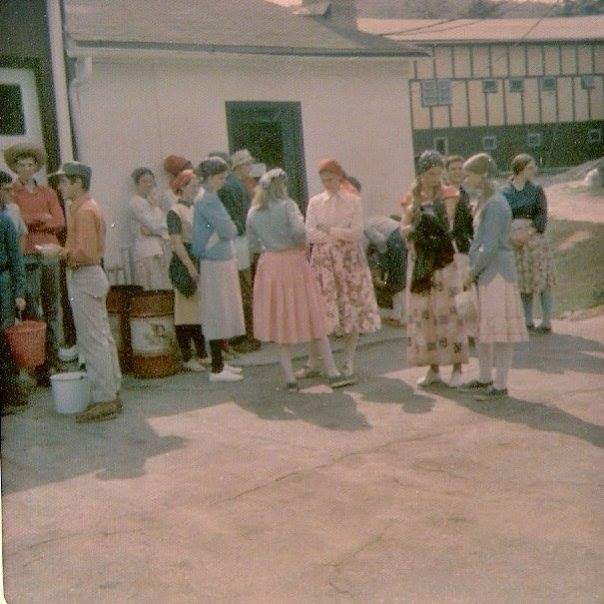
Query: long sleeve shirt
(33,205)
(213,229)
(11,259)
(86,231)
(377,230)
(341,213)
(152,218)
(529,202)
(277,226)
(236,201)
(490,252)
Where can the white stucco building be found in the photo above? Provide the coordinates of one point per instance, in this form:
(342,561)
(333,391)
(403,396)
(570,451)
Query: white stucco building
(155,78)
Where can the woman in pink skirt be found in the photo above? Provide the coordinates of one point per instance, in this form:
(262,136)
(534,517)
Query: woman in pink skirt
(493,269)
(288,307)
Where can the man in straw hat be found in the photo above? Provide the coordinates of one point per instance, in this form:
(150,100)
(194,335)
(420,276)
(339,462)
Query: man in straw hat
(88,287)
(42,213)
(236,199)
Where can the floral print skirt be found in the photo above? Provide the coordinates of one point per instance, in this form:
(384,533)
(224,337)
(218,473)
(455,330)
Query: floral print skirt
(436,334)
(535,265)
(345,281)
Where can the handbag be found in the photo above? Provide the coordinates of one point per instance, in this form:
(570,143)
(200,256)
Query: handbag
(179,275)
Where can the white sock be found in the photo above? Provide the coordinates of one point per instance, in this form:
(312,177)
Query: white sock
(286,362)
(324,349)
(485,362)
(503,361)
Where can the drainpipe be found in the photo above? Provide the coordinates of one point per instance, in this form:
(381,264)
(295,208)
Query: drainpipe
(57,54)
(83,71)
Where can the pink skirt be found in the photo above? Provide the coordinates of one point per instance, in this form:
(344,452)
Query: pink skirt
(288,306)
(500,316)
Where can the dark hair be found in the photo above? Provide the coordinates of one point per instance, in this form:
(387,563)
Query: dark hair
(83,179)
(223,155)
(211,166)
(139,173)
(5,178)
(520,162)
(354,182)
(453,159)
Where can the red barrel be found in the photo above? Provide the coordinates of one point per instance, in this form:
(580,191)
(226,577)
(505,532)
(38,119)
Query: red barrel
(119,300)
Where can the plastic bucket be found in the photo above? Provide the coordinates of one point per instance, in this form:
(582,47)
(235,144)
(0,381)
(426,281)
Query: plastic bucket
(70,391)
(27,341)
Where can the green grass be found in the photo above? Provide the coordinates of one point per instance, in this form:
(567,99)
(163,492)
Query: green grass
(580,269)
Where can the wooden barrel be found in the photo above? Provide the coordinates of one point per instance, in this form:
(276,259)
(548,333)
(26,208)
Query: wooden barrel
(118,309)
(154,347)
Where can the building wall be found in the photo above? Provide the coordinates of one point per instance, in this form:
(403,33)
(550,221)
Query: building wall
(135,114)
(24,43)
(467,66)
(567,142)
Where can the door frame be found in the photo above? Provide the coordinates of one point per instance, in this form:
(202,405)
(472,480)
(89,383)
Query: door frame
(296,154)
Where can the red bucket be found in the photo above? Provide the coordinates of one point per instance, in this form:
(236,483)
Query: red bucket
(27,341)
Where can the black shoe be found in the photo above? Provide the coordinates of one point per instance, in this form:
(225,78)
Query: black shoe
(492,394)
(530,328)
(542,329)
(475,385)
(292,387)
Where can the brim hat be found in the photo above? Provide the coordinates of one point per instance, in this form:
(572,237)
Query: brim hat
(73,168)
(241,157)
(12,154)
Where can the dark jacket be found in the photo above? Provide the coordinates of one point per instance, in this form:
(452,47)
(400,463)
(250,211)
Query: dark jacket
(433,250)
(463,229)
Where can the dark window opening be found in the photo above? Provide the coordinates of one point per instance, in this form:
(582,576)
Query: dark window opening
(12,118)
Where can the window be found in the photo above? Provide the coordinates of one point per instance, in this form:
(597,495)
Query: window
(534,139)
(587,82)
(594,136)
(12,118)
(489,86)
(548,84)
(516,85)
(436,92)
(441,144)
(489,143)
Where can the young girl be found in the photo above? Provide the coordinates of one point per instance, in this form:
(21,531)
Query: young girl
(213,234)
(436,334)
(534,259)
(186,293)
(492,267)
(288,307)
(334,225)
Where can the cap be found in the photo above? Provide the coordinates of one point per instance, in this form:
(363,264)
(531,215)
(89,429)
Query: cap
(74,168)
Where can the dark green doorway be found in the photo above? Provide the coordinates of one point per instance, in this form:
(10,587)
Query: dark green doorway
(273,134)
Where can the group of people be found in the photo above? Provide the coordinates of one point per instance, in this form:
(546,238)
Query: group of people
(246,267)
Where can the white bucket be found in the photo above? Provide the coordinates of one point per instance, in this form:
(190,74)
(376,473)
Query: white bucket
(71,391)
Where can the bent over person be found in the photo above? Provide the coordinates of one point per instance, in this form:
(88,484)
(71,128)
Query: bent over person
(88,287)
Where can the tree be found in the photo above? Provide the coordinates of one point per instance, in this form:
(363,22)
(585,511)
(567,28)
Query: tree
(483,9)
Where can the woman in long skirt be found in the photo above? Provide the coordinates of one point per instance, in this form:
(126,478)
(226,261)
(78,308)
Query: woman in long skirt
(213,234)
(334,226)
(287,304)
(183,271)
(436,334)
(534,258)
(492,268)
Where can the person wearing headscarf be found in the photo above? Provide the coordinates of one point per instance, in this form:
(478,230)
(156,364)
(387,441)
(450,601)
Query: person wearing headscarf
(173,166)
(288,305)
(534,257)
(334,226)
(149,233)
(213,235)
(184,272)
(492,268)
(436,334)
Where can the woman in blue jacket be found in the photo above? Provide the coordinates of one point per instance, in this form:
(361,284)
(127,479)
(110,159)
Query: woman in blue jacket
(213,235)
(492,268)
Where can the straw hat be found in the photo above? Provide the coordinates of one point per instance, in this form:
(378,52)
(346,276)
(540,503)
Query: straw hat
(12,153)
